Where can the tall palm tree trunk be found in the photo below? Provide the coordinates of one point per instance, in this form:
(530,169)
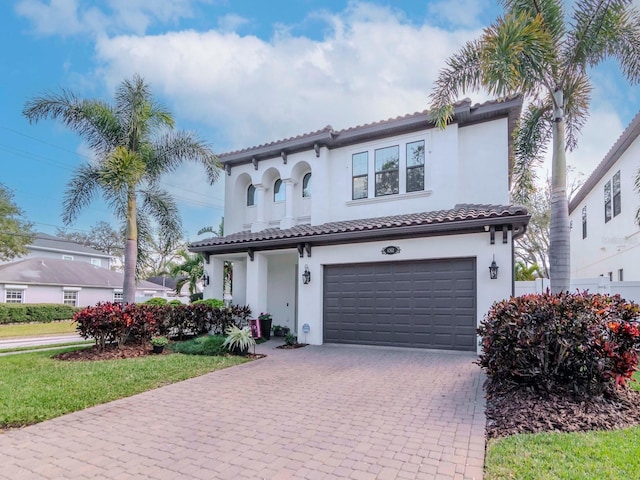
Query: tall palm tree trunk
(559,252)
(130,250)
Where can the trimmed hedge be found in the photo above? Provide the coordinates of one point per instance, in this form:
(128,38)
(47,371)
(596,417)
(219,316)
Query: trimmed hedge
(35,312)
(205,345)
(114,322)
(581,343)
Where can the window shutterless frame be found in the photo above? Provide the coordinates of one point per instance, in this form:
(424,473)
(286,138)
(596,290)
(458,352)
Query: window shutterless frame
(360,175)
(387,163)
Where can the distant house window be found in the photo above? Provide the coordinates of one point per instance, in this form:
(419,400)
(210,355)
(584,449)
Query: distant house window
(415,166)
(118,297)
(251,196)
(67,257)
(584,222)
(610,274)
(278,191)
(607,201)
(616,194)
(360,174)
(387,161)
(620,275)
(14,296)
(96,262)
(306,185)
(70,298)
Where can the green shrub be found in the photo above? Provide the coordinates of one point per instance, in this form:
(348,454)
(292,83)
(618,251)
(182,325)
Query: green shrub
(35,312)
(175,302)
(207,345)
(580,343)
(157,301)
(211,302)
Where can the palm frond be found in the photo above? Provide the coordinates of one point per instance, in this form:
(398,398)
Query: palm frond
(577,94)
(94,120)
(551,11)
(530,145)
(175,147)
(162,208)
(80,191)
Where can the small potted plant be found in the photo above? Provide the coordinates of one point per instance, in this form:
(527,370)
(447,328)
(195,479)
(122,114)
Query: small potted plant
(278,331)
(158,342)
(265,324)
(238,340)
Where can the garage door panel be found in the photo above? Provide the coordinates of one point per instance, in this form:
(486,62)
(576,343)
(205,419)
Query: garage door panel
(428,304)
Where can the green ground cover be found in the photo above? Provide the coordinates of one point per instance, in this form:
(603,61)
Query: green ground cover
(611,455)
(34,329)
(35,387)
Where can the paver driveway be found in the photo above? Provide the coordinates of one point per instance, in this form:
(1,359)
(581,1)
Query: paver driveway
(314,412)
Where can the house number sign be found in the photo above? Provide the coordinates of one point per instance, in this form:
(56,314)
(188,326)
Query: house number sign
(390,250)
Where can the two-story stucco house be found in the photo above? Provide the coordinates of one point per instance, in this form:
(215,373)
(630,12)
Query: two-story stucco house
(380,234)
(605,236)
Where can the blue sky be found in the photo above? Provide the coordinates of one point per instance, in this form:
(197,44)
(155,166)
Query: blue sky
(239,73)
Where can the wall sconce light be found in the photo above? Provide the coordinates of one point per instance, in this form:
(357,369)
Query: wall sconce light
(306,276)
(205,278)
(493,269)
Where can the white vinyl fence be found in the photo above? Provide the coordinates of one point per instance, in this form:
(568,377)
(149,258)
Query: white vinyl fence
(627,290)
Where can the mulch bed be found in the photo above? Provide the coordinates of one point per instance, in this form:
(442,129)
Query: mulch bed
(518,411)
(111,352)
(290,347)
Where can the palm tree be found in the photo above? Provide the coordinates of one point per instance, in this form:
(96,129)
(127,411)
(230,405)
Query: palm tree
(134,144)
(191,270)
(536,51)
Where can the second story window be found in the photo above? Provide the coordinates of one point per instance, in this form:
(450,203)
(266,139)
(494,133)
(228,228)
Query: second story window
(616,194)
(278,191)
(387,162)
(251,196)
(415,166)
(584,222)
(360,173)
(306,185)
(607,201)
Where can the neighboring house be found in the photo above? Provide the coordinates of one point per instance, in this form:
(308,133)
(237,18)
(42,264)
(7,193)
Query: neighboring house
(52,280)
(381,234)
(171,283)
(605,237)
(48,246)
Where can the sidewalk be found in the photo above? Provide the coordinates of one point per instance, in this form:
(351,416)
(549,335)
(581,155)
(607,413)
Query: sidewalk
(38,341)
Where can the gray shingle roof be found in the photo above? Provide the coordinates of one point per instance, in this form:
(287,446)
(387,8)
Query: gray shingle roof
(49,242)
(53,271)
(378,227)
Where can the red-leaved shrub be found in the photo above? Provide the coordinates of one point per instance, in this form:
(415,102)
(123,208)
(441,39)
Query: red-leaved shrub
(582,343)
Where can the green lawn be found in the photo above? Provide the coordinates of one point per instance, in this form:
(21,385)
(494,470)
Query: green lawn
(34,387)
(610,455)
(33,329)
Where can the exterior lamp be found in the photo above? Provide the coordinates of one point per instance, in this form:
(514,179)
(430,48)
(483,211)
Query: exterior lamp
(306,276)
(493,269)
(205,278)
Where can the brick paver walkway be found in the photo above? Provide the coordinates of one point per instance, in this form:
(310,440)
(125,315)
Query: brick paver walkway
(310,413)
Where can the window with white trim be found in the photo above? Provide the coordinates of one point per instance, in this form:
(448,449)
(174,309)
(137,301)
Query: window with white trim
(387,163)
(70,297)
(584,222)
(306,185)
(67,257)
(616,194)
(278,191)
(14,296)
(360,175)
(621,275)
(612,197)
(415,166)
(251,196)
(96,262)
(118,297)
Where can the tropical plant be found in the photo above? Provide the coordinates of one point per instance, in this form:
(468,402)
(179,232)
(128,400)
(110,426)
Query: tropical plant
(536,51)
(159,341)
(15,233)
(526,273)
(134,144)
(189,271)
(290,339)
(238,339)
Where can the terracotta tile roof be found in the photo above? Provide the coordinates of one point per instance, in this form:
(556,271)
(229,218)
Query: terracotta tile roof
(461,213)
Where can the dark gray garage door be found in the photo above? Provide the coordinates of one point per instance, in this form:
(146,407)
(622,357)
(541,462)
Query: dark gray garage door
(425,304)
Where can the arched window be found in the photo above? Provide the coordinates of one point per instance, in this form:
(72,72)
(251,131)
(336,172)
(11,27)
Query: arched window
(306,185)
(251,196)
(278,191)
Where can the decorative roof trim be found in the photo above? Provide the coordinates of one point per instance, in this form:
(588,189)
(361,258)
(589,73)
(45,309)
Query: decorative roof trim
(622,144)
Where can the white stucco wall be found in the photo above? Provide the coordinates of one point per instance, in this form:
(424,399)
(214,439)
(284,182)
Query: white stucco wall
(615,244)
(310,297)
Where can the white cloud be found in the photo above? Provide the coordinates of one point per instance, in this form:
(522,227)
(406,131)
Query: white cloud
(231,22)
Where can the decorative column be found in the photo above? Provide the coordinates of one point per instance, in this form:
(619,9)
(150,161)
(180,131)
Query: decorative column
(257,283)
(260,223)
(288,221)
(215,271)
